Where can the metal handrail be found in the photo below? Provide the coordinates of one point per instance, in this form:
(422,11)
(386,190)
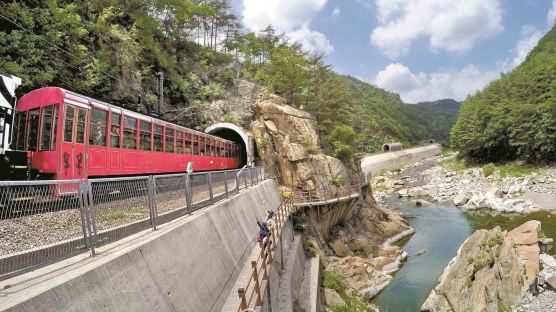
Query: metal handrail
(102,211)
(260,267)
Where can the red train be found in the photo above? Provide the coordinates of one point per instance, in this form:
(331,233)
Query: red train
(71,136)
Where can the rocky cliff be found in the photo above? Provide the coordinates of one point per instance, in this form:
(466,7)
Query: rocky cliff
(491,271)
(288,144)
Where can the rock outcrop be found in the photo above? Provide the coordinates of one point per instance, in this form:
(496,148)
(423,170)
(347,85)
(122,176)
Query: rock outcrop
(492,270)
(361,275)
(287,141)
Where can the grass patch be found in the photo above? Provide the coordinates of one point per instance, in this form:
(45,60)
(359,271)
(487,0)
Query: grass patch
(396,170)
(455,164)
(332,280)
(353,302)
(110,215)
(489,169)
(513,170)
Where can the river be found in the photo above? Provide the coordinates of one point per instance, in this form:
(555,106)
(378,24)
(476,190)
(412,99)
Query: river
(440,229)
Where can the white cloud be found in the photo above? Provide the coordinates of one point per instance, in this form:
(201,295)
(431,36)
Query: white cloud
(455,83)
(337,12)
(311,40)
(290,16)
(552,14)
(453,26)
(446,83)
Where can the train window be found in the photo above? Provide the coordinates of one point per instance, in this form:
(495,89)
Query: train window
(32,129)
(19,130)
(145,135)
(68,125)
(169,147)
(202,147)
(130,133)
(115,130)
(179,142)
(158,130)
(48,128)
(188,145)
(195,147)
(80,130)
(97,134)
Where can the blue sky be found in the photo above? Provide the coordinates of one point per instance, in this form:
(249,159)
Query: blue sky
(422,49)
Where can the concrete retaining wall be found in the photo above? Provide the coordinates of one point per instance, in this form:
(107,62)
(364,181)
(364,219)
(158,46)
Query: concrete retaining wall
(374,163)
(188,265)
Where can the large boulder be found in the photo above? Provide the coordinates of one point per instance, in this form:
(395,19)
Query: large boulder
(361,275)
(332,298)
(460,200)
(490,272)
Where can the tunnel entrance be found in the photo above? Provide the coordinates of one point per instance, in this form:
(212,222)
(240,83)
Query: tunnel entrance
(391,147)
(236,134)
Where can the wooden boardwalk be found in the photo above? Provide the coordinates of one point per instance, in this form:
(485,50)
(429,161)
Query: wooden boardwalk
(325,196)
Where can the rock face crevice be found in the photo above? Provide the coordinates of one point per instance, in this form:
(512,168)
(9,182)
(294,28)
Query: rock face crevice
(492,270)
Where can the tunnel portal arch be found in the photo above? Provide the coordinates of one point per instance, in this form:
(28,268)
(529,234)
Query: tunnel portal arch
(234,133)
(391,147)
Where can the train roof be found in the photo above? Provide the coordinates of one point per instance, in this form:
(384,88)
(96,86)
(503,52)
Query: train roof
(75,98)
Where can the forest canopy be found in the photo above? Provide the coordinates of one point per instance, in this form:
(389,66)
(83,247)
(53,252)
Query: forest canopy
(513,117)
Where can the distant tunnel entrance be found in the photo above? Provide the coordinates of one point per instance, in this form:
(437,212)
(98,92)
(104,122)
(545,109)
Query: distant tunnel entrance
(391,147)
(236,134)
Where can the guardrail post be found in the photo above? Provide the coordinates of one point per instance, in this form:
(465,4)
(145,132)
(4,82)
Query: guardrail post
(90,213)
(210,186)
(226,182)
(245,179)
(151,192)
(243,302)
(251,174)
(237,182)
(256,277)
(188,195)
(85,220)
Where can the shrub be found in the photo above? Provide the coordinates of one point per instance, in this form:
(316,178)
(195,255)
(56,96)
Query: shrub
(489,169)
(332,280)
(264,141)
(212,91)
(337,180)
(310,146)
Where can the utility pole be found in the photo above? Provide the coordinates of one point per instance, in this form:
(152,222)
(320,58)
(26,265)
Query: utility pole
(160,91)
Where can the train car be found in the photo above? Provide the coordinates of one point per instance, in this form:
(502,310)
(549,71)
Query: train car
(71,136)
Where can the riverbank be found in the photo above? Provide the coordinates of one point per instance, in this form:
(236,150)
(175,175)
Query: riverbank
(407,190)
(506,188)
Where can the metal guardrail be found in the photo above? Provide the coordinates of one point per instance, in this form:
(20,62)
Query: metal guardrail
(251,296)
(42,222)
(326,195)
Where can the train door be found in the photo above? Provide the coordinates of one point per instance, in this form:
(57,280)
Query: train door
(74,156)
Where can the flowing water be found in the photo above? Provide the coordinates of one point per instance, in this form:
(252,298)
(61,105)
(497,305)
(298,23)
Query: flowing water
(440,229)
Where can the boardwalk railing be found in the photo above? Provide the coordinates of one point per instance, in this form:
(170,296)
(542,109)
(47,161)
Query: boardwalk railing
(42,222)
(326,195)
(251,296)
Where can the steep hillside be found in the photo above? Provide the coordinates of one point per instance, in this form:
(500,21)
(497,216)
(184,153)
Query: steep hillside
(514,117)
(378,116)
(438,117)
